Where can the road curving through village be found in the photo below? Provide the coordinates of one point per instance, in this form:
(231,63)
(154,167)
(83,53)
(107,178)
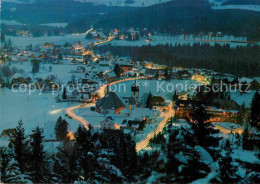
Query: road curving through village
(101,93)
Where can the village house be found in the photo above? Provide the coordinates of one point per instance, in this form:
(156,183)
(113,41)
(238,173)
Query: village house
(157,101)
(184,74)
(7,133)
(110,103)
(110,76)
(227,128)
(20,79)
(222,115)
(88,85)
(184,107)
(108,123)
(226,104)
(126,65)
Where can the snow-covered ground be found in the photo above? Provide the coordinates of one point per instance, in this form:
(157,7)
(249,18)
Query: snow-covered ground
(17,1)
(56,24)
(14,22)
(135,3)
(63,72)
(237,7)
(22,42)
(10,22)
(34,110)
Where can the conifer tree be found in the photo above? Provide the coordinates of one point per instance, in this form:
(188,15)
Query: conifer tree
(227,169)
(245,135)
(118,71)
(65,167)
(173,148)
(38,155)
(21,147)
(195,169)
(36,66)
(166,73)
(149,101)
(5,156)
(85,151)
(202,128)
(2,37)
(175,96)
(60,57)
(64,94)
(156,75)
(255,111)
(61,129)
(14,174)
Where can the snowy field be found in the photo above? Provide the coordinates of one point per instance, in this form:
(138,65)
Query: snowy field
(63,72)
(17,1)
(237,7)
(136,3)
(34,110)
(10,22)
(55,24)
(22,42)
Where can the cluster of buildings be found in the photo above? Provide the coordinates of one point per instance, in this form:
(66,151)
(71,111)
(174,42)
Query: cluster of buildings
(125,113)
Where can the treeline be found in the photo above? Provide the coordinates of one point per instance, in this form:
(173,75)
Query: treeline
(242,2)
(94,157)
(241,61)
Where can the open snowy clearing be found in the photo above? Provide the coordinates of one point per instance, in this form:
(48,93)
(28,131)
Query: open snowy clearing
(135,3)
(34,110)
(238,7)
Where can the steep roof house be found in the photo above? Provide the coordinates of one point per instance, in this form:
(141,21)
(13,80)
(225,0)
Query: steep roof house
(110,103)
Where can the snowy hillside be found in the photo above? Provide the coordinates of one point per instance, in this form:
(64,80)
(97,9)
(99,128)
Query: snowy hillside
(17,1)
(133,3)
(238,7)
(220,5)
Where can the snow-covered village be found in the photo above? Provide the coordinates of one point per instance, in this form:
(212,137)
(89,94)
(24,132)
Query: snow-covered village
(107,97)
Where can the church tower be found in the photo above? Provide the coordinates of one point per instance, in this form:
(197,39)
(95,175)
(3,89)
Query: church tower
(135,91)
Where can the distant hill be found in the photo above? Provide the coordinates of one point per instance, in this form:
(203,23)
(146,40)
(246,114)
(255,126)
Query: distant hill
(178,17)
(175,16)
(49,11)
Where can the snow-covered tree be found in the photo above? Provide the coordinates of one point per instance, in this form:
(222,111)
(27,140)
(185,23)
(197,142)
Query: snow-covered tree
(21,147)
(5,157)
(14,174)
(202,128)
(227,168)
